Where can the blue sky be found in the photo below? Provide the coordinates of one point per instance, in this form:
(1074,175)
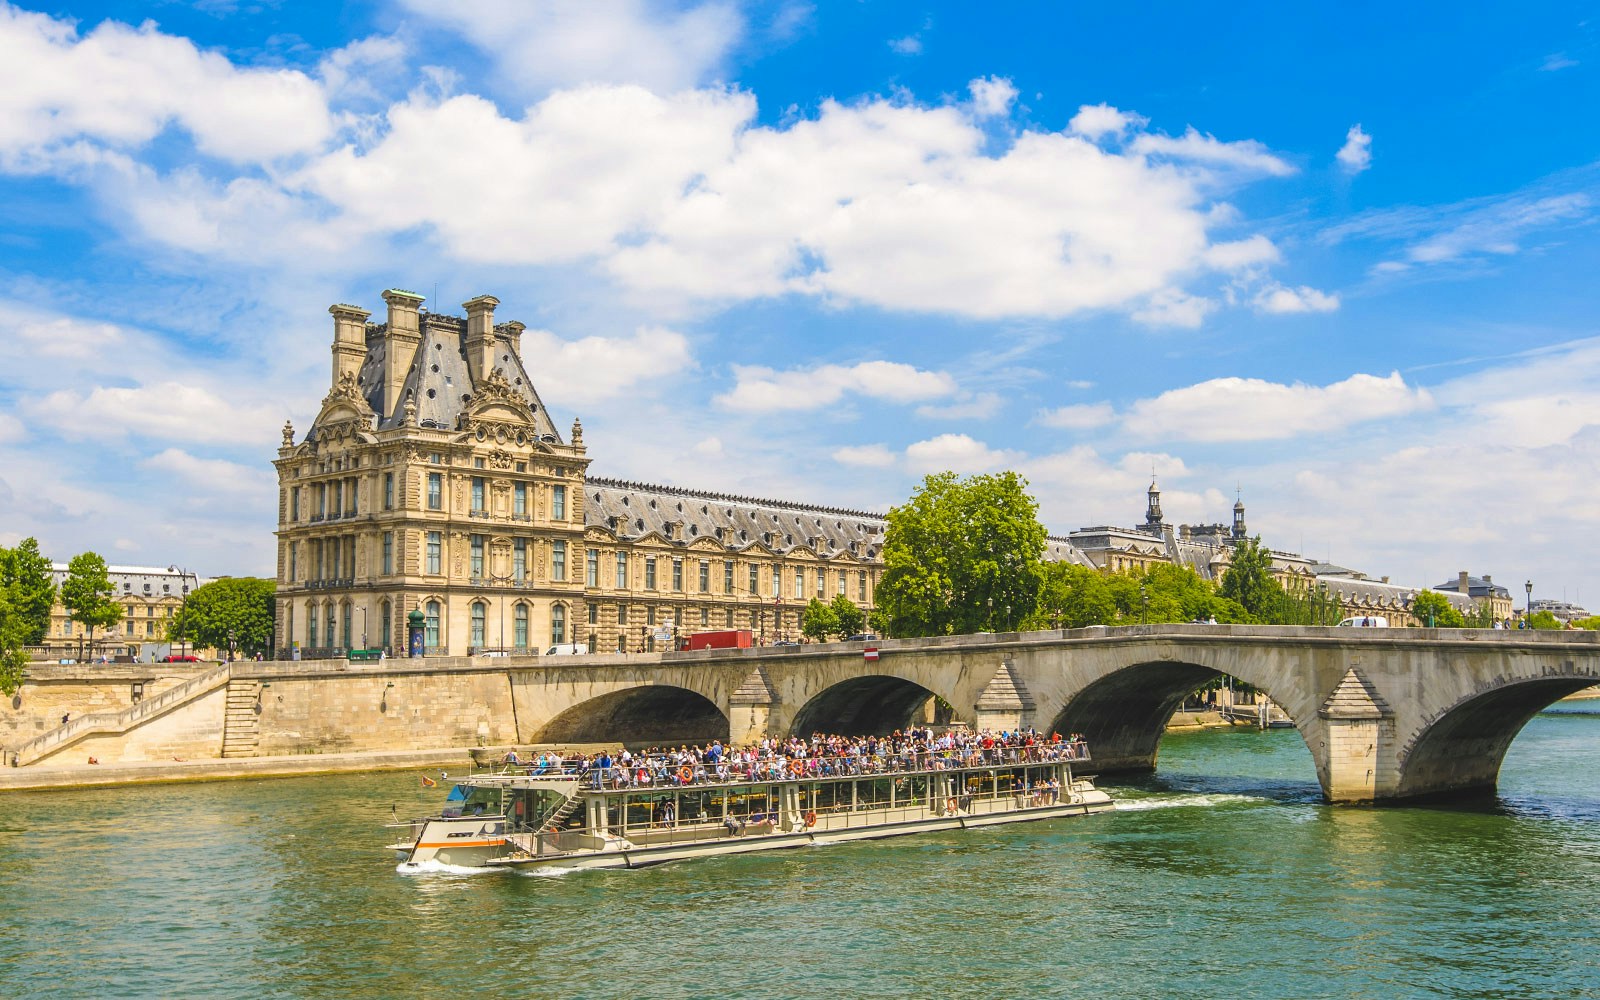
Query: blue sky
(1341,261)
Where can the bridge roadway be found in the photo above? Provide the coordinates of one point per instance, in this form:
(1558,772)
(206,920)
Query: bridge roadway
(1388,714)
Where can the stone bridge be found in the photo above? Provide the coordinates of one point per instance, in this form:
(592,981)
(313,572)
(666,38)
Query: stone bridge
(1388,714)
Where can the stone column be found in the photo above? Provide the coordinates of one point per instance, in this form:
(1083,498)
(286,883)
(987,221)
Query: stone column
(750,709)
(1004,703)
(1359,727)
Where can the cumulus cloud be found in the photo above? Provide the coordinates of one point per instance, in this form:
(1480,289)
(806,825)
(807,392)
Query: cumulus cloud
(11,429)
(1356,153)
(212,474)
(1078,417)
(168,410)
(764,390)
(957,453)
(1096,120)
(596,368)
(872,456)
(1247,409)
(992,96)
(909,45)
(121,86)
(1193,147)
(1172,307)
(539,46)
(1276,298)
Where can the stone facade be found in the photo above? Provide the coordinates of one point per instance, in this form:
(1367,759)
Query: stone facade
(150,597)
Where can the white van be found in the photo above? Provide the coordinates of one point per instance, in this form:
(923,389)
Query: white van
(1367,621)
(567,649)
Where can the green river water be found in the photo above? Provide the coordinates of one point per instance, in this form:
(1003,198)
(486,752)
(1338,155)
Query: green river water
(1221,876)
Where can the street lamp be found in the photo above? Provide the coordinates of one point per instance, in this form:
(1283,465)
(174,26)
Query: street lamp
(1529,588)
(230,645)
(183,622)
(988,614)
(363,611)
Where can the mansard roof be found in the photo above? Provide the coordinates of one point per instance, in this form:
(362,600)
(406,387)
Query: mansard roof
(440,381)
(685,516)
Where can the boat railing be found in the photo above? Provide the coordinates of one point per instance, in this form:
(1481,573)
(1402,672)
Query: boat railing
(668,771)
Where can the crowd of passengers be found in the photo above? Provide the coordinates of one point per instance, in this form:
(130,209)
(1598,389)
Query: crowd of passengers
(915,749)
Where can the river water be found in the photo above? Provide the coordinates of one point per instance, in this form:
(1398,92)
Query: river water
(1222,876)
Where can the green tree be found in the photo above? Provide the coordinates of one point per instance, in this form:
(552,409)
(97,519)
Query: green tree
(30,589)
(1248,580)
(1546,621)
(1436,611)
(242,606)
(86,593)
(962,555)
(1071,597)
(850,617)
(818,621)
(1312,606)
(13,658)
(1591,623)
(1481,616)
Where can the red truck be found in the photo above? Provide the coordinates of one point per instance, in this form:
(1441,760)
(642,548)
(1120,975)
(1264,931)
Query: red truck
(733,638)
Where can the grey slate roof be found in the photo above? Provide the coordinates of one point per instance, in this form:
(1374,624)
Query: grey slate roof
(141,581)
(1477,586)
(439,380)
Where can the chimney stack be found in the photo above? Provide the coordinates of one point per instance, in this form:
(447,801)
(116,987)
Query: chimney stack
(400,343)
(349,340)
(480,336)
(512,334)
(1461,584)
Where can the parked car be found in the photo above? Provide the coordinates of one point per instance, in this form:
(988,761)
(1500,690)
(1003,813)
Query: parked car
(180,659)
(863,637)
(786,642)
(567,649)
(1366,621)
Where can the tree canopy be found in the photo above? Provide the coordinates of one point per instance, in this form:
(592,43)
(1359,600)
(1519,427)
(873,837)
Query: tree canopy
(241,605)
(86,593)
(1249,580)
(1435,611)
(27,593)
(962,555)
(818,621)
(850,618)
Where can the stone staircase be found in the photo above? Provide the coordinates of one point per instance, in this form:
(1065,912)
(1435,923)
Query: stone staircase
(117,723)
(241,726)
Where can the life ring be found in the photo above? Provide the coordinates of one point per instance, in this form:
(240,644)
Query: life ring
(686,774)
(811,819)
(952,805)
(798,767)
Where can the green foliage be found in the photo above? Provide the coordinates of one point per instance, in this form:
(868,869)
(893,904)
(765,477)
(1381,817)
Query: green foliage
(1591,623)
(1435,611)
(818,621)
(1249,581)
(1546,621)
(1313,606)
(241,605)
(962,556)
(1076,597)
(28,587)
(1481,616)
(86,593)
(1071,597)
(13,658)
(847,614)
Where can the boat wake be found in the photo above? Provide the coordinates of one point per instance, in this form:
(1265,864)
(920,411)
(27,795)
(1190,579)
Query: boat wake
(547,872)
(1202,801)
(437,868)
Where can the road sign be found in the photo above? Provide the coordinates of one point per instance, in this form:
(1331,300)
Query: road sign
(870,654)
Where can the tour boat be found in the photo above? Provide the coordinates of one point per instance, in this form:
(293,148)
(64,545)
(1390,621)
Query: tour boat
(517,817)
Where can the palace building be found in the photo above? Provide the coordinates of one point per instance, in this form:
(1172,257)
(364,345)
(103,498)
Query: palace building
(434,481)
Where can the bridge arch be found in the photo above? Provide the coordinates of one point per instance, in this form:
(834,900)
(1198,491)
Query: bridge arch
(1124,714)
(647,714)
(874,704)
(1460,750)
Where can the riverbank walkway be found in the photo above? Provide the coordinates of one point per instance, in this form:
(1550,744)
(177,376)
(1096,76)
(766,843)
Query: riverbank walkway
(85,775)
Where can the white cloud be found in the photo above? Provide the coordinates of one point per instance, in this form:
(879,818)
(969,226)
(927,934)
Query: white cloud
(910,45)
(596,368)
(167,410)
(1193,147)
(1243,409)
(992,96)
(1096,120)
(872,456)
(975,406)
(1497,231)
(122,86)
(11,429)
(1239,255)
(1356,153)
(1276,298)
(1171,307)
(958,453)
(710,447)
(1078,417)
(214,475)
(764,390)
(1556,61)
(553,43)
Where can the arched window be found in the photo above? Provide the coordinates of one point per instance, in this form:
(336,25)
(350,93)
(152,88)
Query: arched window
(519,631)
(430,627)
(311,625)
(385,623)
(345,635)
(333,622)
(475,639)
(558,623)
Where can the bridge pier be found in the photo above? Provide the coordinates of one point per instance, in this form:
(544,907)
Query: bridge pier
(1358,736)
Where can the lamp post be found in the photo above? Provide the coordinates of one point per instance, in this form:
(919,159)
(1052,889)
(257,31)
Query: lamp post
(363,611)
(1529,588)
(988,613)
(230,645)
